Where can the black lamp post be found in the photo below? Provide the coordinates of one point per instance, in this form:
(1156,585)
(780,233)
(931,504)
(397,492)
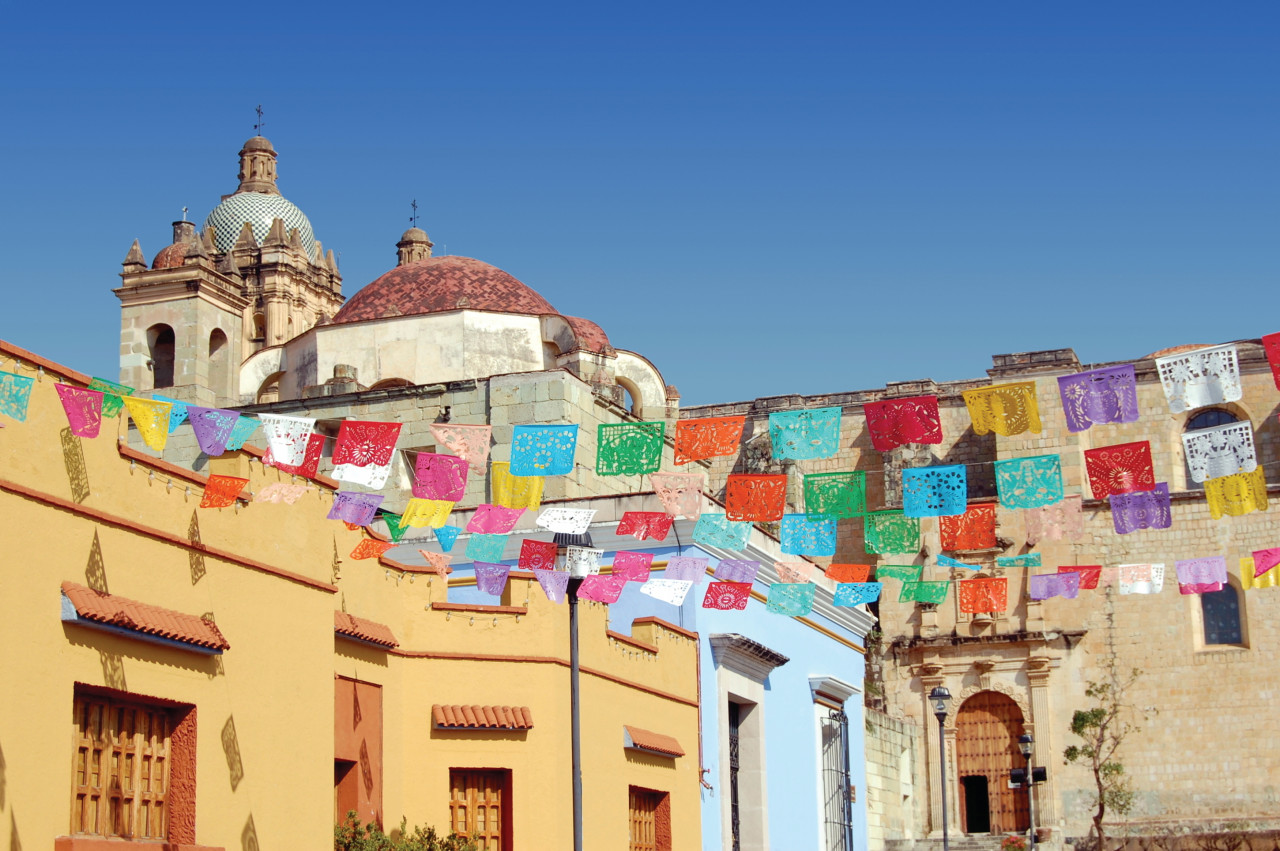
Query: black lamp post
(941,699)
(1024,744)
(563,541)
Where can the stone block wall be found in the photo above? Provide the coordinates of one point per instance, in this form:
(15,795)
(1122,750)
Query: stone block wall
(892,799)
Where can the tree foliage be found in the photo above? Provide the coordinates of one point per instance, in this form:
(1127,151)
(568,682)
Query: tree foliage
(350,835)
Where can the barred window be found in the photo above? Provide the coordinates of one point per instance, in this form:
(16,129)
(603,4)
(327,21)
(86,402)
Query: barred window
(478,806)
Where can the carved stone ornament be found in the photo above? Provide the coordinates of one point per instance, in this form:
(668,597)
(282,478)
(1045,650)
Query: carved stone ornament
(1008,690)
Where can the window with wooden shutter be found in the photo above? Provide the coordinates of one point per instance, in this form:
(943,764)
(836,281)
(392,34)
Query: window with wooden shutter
(649,819)
(121,767)
(479,806)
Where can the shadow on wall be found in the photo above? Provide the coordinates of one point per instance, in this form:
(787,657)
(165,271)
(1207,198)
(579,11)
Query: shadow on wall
(195,558)
(73,461)
(249,836)
(235,765)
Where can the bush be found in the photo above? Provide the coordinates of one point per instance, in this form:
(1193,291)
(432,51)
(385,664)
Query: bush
(351,836)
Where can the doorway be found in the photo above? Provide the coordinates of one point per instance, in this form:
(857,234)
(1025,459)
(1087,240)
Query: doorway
(987,729)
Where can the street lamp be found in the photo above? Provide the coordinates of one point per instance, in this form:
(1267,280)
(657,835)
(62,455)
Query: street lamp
(1024,744)
(563,541)
(941,699)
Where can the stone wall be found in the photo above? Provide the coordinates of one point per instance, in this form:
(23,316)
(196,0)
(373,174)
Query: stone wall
(892,801)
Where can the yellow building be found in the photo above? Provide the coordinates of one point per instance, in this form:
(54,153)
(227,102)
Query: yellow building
(204,668)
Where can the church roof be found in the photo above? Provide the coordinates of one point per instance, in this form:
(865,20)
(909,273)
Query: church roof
(441,284)
(258,209)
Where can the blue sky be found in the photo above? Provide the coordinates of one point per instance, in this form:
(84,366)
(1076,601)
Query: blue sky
(762,199)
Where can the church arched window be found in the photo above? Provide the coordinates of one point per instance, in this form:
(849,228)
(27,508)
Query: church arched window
(1221,616)
(1205,419)
(160,345)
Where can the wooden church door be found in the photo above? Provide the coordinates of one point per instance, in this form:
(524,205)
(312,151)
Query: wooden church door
(987,730)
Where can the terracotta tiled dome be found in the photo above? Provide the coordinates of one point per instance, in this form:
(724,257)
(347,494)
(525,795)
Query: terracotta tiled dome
(171,256)
(440,284)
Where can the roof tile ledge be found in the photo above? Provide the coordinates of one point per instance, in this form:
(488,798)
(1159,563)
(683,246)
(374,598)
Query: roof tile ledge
(363,629)
(634,738)
(474,717)
(140,620)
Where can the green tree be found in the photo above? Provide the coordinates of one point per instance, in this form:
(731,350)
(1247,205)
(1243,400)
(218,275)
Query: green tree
(350,835)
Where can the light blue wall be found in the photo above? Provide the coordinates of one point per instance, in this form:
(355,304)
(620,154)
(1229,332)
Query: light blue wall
(791,749)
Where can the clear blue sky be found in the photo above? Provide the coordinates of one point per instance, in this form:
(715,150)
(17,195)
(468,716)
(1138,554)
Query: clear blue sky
(762,199)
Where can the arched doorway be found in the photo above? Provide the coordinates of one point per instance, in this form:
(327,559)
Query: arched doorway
(987,729)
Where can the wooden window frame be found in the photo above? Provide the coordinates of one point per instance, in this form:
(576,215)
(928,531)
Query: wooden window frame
(652,821)
(466,825)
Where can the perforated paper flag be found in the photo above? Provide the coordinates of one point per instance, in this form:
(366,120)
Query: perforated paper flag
(494,519)
(240,432)
(602,589)
(973,530)
(835,494)
(633,567)
(793,571)
(945,561)
(686,568)
(727,596)
(468,442)
(848,572)
(213,427)
(924,592)
(369,548)
(629,448)
(437,563)
(112,395)
(936,491)
(793,600)
(372,476)
(1220,451)
(710,437)
(804,537)
(221,491)
(447,536)
(1106,395)
(357,508)
(760,498)
(1249,579)
(1237,495)
(439,477)
(805,435)
(645,524)
(893,532)
(1123,468)
(716,530)
(1141,510)
(1042,586)
(850,594)
(900,572)
(1271,345)
(1203,377)
(287,437)
(1090,574)
(570,521)
(897,422)
(1029,482)
(1028,560)
(83,409)
(537,555)
(152,420)
(582,561)
(1189,589)
(554,584)
(1141,578)
(514,491)
(278,492)
(486,548)
(679,493)
(1202,571)
(737,570)
(363,443)
(1265,560)
(178,415)
(396,527)
(543,450)
(983,596)
(1006,409)
(1062,521)
(427,512)
(310,462)
(671,591)
(491,579)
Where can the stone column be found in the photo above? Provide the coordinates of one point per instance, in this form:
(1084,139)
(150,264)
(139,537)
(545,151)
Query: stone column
(277,319)
(931,676)
(1038,671)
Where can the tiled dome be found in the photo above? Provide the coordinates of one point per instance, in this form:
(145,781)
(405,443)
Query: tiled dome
(171,256)
(440,284)
(258,209)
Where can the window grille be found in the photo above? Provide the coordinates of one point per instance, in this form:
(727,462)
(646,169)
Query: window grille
(837,802)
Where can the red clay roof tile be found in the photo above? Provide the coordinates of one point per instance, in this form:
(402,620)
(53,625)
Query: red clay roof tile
(645,740)
(462,717)
(108,609)
(363,629)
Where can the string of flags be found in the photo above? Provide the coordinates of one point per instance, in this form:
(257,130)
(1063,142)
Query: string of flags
(1223,458)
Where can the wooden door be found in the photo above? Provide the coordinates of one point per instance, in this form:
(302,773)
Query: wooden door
(987,730)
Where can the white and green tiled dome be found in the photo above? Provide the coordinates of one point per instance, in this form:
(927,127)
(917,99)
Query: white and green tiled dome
(258,209)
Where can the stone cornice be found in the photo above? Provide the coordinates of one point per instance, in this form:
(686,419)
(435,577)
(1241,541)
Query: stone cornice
(749,658)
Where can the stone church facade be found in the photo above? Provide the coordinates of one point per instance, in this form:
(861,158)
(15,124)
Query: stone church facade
(1203,757)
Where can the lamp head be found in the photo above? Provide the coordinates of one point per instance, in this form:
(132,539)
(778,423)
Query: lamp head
(1024,744)
(941,700)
